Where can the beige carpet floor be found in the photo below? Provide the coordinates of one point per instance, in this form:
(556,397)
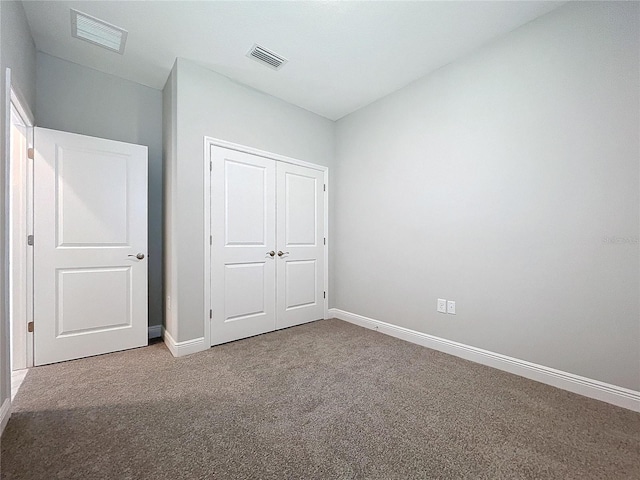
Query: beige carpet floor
(326,400)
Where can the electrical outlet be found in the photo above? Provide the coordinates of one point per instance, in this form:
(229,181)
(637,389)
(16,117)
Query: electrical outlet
(442,305)
(451,307)
(168,302)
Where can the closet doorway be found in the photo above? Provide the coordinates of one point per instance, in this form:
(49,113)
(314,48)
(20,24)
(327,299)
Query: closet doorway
(266,242)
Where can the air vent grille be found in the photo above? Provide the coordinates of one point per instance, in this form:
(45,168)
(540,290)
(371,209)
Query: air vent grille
(96,31)
(266,57)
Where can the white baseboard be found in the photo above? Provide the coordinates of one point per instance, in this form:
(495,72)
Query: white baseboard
(620,396)
(5,413)
(155,331)
(180,349)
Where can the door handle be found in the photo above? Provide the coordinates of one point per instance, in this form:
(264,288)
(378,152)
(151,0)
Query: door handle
(281,253)
(139,256)
(271,253)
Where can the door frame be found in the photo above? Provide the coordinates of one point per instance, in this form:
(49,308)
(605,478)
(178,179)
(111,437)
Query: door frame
(25,291)
(210,142)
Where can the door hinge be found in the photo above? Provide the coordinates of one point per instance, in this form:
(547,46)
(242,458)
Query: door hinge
(325,294)
(210,239)
(325,240)
(30,327)
(210,165)
(324,187)
(210,313)
(30,240)
(30,153)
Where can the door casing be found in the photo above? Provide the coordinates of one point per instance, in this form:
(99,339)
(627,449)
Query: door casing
(21,338)
(211,142)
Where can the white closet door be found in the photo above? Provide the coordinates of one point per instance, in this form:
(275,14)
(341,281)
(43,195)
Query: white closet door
(90,229)
(243,221)
(300,271)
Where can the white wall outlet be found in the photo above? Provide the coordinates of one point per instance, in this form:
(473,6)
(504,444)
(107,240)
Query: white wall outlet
(442,305)
(168,302)
(451,307)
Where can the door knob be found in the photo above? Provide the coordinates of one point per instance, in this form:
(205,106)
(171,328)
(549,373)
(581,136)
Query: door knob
(281,253)
(272,253)
(139,256)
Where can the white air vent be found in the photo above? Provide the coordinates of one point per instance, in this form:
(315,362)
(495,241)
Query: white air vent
(93,30)
(266,57)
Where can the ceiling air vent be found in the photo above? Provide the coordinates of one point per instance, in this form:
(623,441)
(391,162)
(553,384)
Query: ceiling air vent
(96,31)
(266,57)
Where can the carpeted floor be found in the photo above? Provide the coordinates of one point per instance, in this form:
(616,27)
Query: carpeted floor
(326,400)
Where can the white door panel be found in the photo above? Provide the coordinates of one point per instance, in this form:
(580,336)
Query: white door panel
(243,234)
(300,281)
(246,198)
(89,215)
(102,289)
(90,222)
(300,275)
(300,207)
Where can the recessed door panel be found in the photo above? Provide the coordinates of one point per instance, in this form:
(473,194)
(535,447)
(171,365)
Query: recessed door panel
(244,290)
(104,290)
(301,283)
(245,203)
(301,209)
(89,214)
(242,236)
(90,223)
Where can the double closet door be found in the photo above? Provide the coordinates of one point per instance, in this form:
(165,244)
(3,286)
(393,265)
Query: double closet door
(267,245)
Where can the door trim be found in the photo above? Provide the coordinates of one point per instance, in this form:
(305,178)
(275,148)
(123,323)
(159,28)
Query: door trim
(24,222)
(10,94)
(210,142)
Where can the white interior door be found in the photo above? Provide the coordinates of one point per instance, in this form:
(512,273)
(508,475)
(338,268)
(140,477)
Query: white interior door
(300,232)
(243,245)
(90,246)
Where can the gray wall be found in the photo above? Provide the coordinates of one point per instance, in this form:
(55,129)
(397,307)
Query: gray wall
(18,53)
(507,181)
(213,105)
(169,139)
(81,100)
